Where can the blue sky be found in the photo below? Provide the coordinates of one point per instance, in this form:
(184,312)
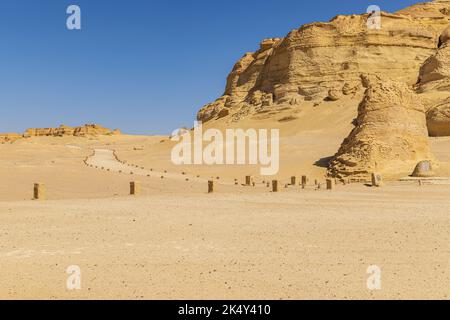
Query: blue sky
(144,66)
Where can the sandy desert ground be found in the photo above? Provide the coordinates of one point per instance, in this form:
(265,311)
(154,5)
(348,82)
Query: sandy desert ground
(373,86)
(175,241)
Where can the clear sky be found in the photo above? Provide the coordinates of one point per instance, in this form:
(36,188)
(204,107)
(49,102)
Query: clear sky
(145,66)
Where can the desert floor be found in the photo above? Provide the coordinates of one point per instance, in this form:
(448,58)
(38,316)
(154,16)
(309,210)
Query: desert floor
(175,241)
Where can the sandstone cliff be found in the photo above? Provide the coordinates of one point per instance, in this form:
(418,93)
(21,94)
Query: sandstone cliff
(323,62)
(63,130)
(9,137)
(322,58)
(434,86)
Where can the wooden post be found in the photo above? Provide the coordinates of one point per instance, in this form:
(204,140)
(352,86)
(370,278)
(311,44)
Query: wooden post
(210,186)
(293,181)
(248,180)
(304,180)
(135,188)
(329,184)
(377,180)
(275,186)
(39,191)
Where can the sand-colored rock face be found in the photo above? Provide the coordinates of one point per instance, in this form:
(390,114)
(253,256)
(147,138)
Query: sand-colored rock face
(323,63)
(322,58)
(63,130)
(434,85)
(390,136)
(9,137)
(435,72)
(438,119)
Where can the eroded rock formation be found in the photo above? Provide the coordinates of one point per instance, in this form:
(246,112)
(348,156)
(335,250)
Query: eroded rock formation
(325,62)
(63,130)
(82,131)
(434,85)
(9,137)
(390,135)
(321,61)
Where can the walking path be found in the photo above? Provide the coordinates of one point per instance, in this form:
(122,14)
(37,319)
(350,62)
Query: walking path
(106,160)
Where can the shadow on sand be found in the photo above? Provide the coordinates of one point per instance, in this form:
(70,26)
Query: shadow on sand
(323,162)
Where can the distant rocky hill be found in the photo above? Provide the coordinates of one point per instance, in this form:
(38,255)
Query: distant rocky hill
(322,62)
(86,130)
(63,130)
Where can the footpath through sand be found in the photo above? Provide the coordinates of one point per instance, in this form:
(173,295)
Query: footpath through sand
(105,159)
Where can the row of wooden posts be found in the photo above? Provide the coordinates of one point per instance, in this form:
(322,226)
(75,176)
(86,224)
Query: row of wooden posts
(39,190)
(275,183)
(135,186)
(377,181)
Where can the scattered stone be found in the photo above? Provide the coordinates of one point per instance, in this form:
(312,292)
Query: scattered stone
(334,95)
(424,169)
